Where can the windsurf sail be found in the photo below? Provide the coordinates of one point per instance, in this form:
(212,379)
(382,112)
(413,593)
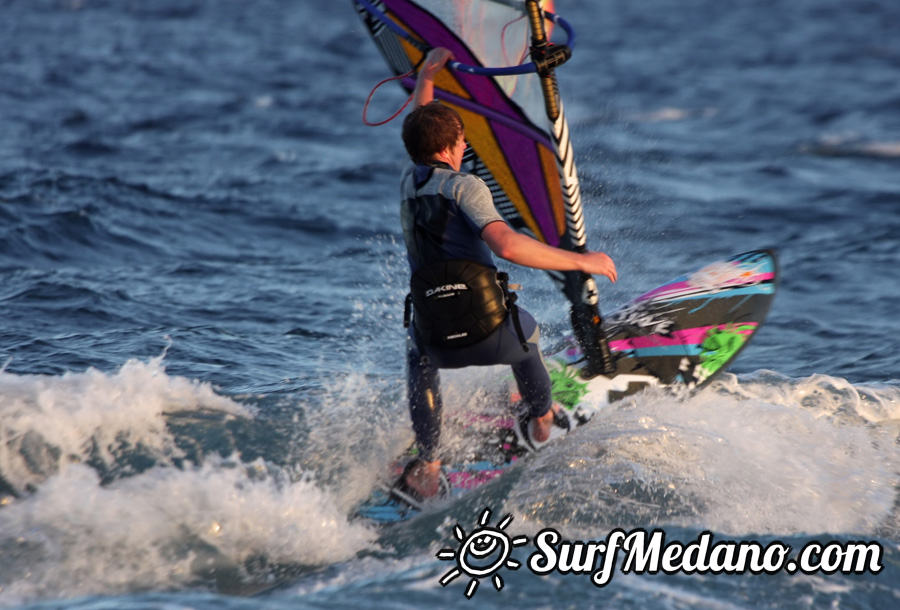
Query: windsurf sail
(515,125)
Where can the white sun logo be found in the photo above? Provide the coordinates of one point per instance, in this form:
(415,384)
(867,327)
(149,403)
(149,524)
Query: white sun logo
(482,553)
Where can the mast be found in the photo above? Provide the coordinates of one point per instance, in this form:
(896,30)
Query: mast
(580,288)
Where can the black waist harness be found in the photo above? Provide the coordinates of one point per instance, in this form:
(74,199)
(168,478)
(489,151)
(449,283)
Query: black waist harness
(458,303)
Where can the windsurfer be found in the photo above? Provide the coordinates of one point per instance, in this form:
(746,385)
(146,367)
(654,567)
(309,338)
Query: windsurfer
(449,216)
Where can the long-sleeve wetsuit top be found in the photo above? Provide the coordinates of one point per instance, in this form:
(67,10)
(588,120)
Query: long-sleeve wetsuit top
(443,213)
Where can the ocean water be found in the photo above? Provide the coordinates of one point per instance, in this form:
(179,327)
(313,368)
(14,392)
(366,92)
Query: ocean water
(201,288)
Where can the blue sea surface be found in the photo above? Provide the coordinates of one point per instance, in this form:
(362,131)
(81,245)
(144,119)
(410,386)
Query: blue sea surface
(202,279)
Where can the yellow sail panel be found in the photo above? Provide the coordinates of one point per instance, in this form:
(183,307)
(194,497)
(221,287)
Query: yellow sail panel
(554,188)
(483,140)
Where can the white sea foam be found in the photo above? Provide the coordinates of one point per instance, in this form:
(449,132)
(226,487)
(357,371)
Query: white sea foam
(163,529)
(69,533)
(49,422)
(760,455)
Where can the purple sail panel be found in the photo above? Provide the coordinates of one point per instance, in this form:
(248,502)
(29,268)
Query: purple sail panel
(512,133)
(483,89)
(521,154)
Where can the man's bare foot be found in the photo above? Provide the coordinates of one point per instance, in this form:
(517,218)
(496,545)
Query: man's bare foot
(424,478)
(539,428)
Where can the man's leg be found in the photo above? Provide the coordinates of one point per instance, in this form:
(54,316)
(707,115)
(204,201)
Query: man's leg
(533,380)
(425,404)
(425,410)
(529,369)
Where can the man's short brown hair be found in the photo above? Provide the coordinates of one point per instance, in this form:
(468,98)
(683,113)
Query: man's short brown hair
(429,129)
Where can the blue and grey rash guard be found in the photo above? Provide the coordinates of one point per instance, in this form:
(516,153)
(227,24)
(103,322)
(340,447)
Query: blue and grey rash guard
(443,213)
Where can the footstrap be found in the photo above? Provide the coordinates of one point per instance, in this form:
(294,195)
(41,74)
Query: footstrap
(562,425)
(403,493)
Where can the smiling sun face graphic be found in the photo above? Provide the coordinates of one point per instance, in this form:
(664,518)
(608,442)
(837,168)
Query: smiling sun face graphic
(482,553)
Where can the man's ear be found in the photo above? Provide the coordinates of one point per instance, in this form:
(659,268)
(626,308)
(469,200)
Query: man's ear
(443,154)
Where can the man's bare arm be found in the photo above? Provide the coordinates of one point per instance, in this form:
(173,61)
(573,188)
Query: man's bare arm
(434,63)
(528,252)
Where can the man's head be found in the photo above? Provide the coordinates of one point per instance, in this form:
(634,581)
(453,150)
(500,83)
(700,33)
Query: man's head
(432,131)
